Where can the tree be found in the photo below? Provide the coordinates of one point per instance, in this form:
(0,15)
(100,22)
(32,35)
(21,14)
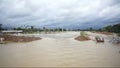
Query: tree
(108,28)
(100,30)
(113,28)
(59,29)
(116,28)
(32,27)
(90,28)
(1,27)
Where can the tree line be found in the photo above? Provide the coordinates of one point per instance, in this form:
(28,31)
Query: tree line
(32,29)
(1,28)
(111,28)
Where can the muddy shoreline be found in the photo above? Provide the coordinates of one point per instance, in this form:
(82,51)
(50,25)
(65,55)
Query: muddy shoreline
(82,38)
(10,38)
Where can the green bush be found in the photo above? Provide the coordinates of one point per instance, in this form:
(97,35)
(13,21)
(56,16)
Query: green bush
(82,33)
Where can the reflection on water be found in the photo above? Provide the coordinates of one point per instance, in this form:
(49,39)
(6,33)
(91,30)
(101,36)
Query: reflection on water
(60,50)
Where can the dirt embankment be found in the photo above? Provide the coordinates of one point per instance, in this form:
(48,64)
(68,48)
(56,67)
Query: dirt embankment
(10,38)
(105,33)
(82,38)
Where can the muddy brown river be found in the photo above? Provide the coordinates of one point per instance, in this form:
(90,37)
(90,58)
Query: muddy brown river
(60,50)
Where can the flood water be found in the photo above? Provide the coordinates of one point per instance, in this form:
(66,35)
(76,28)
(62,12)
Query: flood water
(60,50)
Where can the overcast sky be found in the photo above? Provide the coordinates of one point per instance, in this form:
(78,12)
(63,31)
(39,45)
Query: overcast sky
(59,13)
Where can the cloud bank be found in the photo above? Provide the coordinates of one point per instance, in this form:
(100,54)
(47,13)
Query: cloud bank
(59,13)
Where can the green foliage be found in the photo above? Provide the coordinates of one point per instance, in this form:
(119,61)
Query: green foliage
(116,28)
(64,30)
(83,33)
(100,30)
(108,28)
(32,29)
(90,29)
(1,27)
(113,28)
(97,37)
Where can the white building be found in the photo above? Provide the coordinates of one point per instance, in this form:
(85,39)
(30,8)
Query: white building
(11,31)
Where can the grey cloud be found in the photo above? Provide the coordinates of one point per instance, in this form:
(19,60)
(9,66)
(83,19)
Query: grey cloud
(59,13)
